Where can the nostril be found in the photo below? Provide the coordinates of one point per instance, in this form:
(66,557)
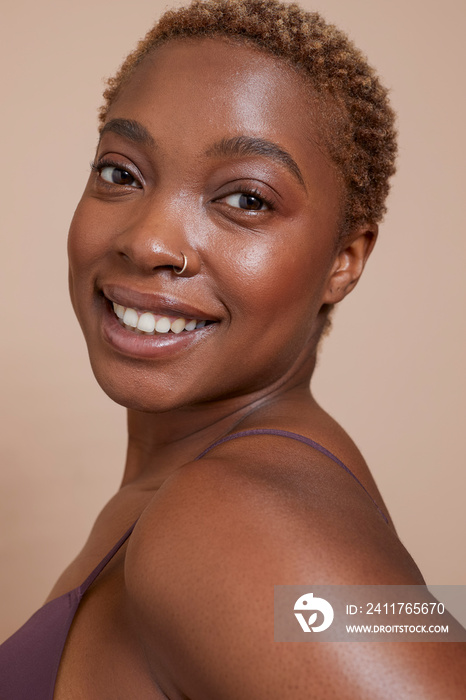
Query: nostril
(184,265)
(151,258)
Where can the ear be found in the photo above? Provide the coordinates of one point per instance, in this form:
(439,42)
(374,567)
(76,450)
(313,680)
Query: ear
(349,263)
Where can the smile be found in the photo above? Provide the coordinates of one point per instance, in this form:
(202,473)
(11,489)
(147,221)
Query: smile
(147,323)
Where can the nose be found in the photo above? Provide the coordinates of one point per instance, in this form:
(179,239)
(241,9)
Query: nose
(153,241)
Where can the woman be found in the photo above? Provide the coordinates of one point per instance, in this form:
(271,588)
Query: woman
(241,171)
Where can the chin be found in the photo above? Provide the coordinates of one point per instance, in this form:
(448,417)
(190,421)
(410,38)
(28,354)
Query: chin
(133,392)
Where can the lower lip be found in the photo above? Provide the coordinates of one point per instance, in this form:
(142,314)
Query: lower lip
(150,346)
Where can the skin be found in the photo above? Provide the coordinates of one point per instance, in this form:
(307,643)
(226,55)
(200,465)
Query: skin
(256,511)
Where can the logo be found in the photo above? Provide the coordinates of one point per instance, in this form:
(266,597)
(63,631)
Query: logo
(308,603)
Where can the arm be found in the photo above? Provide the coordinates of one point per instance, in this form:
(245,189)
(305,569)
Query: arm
(201,573)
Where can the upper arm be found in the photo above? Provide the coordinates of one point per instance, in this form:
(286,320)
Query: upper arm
(201,573)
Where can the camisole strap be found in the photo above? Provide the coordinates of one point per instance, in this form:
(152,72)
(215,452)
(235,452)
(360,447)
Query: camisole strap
(30,658)
(101,566)
(300,438)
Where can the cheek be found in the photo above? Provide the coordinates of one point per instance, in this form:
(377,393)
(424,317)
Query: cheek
(80,240)
(87,239)
(83,250)
(276,294)
(287,277)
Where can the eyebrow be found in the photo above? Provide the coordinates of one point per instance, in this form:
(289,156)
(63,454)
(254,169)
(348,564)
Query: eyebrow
(235,146)
(129,129)
(252,146)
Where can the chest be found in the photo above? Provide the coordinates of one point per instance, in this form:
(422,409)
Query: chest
(103,656)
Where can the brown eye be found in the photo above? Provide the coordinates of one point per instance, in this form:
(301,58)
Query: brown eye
(117,176)
(249,202)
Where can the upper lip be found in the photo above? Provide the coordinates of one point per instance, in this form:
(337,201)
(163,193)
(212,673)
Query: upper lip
(154,302)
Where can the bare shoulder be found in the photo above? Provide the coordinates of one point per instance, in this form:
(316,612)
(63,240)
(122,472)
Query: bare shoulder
(206,554)
(287,513)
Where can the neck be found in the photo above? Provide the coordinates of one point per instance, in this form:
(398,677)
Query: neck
(160,443)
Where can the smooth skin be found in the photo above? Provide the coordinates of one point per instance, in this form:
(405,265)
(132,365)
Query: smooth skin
(185,609)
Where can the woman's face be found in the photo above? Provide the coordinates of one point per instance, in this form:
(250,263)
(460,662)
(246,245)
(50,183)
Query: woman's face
(209,151)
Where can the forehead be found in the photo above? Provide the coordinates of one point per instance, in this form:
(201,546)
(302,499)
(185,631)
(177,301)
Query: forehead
(218,66)
(190,93)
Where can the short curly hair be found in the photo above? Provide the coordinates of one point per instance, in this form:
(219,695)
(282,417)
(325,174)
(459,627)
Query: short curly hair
(359,131)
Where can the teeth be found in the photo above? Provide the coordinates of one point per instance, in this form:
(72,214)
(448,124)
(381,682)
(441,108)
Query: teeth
(119,310)
(178,325)
(163,325)
(130,318)
(146,322)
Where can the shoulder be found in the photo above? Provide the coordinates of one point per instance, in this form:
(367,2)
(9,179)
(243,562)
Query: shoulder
(276,506)
(206,554)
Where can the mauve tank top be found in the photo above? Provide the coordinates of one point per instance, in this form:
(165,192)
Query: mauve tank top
(29,659)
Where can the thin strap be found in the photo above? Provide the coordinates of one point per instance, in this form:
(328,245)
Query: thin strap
(300,438)
(99,568)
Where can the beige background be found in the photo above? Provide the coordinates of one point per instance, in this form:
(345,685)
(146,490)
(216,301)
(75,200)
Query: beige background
(393,369)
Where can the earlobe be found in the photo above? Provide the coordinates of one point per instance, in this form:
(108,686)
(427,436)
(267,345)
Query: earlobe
(349,263)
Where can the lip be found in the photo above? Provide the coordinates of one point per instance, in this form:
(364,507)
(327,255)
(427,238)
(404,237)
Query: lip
(155,303)
(156,346)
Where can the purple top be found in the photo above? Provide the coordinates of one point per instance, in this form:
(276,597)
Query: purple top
(29,660)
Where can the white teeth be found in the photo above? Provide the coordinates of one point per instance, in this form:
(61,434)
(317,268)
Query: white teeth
(119,310)
(130,318)
(146,322)
(163,325)
(178,325)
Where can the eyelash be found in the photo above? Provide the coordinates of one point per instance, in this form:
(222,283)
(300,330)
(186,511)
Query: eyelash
(248,191)
(253,192)
(97,167)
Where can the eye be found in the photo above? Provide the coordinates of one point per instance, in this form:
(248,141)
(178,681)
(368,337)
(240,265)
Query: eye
(117,176)
(114,173)
(248,202)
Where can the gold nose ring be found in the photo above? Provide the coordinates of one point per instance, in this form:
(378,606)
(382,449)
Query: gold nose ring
(180,270)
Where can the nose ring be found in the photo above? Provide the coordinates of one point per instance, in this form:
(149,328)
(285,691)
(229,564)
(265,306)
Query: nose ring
(180,270)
